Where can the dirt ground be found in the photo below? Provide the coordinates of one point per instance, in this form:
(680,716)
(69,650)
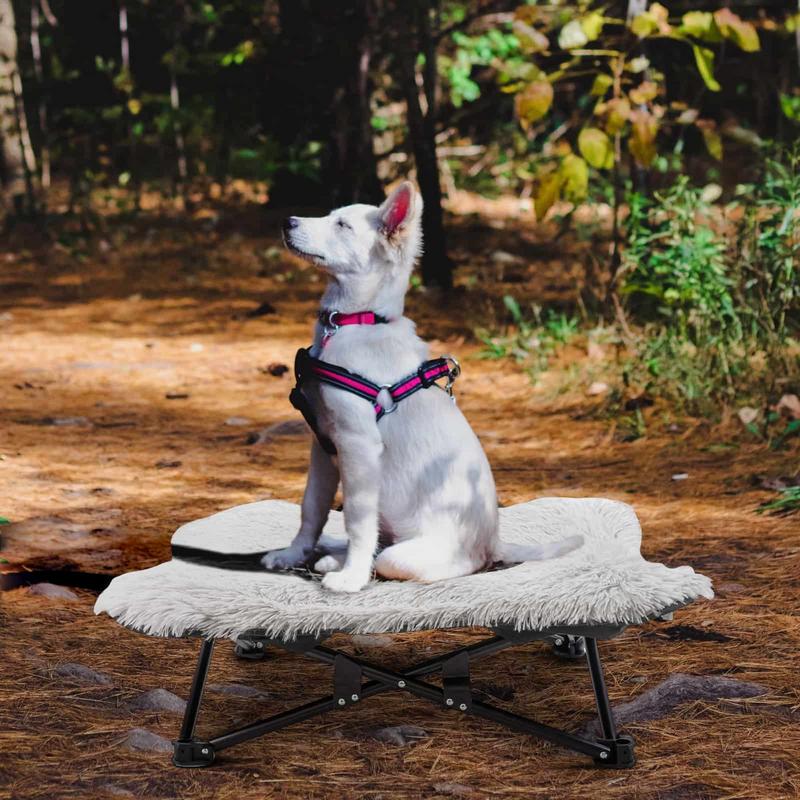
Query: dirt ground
(134,372)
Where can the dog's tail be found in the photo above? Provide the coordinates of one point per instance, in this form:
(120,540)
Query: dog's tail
(510,553)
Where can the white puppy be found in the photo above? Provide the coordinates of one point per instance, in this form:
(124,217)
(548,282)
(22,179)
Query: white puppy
(418,479)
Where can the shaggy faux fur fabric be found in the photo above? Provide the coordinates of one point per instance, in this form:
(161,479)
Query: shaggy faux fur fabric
(606,581)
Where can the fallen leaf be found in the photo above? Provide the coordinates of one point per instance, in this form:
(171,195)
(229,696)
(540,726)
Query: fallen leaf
(597,388)
(789,406)
(747,415)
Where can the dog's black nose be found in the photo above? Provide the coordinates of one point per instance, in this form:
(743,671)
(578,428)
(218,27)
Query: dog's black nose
(290,222)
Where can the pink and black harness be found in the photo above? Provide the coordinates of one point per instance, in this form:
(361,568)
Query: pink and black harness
(307,367)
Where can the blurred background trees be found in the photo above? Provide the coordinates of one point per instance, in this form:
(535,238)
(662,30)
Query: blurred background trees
(680,122)
(654,145)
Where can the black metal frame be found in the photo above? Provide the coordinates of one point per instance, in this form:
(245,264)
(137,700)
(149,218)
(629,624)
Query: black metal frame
(611,750)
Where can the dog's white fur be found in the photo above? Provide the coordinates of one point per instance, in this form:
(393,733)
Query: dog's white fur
(418,479)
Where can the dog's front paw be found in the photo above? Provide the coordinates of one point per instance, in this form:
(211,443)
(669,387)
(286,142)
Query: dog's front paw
(345,581)
(327,564)
(286,558)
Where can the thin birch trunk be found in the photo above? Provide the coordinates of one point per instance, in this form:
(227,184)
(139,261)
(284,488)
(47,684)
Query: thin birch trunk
(19,161)
(36,49)
(180,145)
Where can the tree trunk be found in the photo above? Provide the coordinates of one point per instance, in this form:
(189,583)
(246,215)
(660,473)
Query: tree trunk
(437,268)
(351,168)
(325,97)
(19,162)
(44,131)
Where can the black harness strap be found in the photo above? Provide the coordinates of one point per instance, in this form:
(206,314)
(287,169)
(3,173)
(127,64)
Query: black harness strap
(306,367)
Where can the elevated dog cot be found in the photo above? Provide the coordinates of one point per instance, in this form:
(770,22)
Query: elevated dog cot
(590,594)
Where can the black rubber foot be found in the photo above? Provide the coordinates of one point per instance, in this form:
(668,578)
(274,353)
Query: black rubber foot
(620,756)
(250,648)
(569,647)
(192,754)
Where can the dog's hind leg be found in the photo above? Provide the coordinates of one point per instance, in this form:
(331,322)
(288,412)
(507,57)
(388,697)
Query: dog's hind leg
(427,558)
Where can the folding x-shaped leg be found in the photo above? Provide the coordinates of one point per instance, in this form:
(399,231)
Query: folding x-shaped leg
(349,688)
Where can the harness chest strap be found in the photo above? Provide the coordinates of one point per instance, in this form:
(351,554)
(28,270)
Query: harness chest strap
(307,367)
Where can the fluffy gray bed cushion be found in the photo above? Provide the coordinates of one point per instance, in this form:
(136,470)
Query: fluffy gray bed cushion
(606,581)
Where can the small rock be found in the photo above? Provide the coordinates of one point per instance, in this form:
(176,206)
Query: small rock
(453,789)
(116,791)
(159,700)
(597,388)
(399,735)
(680,476)
(64,422)
(167,464)
(237,421)
(142,739)
(196,347)
(80,672)
(52,591)
(747,415)
(237,690)
(679,689)
(673,427)
(365,641)
(261,311)
(729,588)
(276,369)
(292,427)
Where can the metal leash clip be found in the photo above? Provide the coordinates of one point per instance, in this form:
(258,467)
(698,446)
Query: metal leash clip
(329,326)
(454,372)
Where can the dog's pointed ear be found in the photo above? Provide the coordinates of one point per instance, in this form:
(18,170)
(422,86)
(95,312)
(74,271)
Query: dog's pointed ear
(399,209)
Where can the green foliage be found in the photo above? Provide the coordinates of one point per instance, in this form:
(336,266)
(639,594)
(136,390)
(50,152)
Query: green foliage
(493,48)
(675,278)
(767,253)
(787,502)
(531,339)
(630,109)
(720,311)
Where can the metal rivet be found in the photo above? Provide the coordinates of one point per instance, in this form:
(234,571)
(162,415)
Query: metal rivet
(260,645)
(449,701)
(463,706)
(204,751)
(558,641)
(341,701)
(401,684)
(604,755)
(354,697)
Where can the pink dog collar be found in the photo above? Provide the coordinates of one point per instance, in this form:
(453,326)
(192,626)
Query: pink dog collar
(332,320)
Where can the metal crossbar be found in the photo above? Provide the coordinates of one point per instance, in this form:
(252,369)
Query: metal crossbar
(611,750)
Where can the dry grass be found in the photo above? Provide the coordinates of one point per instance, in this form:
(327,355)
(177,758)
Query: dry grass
(105,334)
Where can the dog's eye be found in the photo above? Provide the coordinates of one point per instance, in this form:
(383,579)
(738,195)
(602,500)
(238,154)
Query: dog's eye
(340,223)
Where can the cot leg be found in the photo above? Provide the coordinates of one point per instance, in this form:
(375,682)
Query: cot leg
(188,751)
(620,753)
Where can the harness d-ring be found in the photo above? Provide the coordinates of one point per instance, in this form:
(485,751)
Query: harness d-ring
(395,404)
(330,325)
